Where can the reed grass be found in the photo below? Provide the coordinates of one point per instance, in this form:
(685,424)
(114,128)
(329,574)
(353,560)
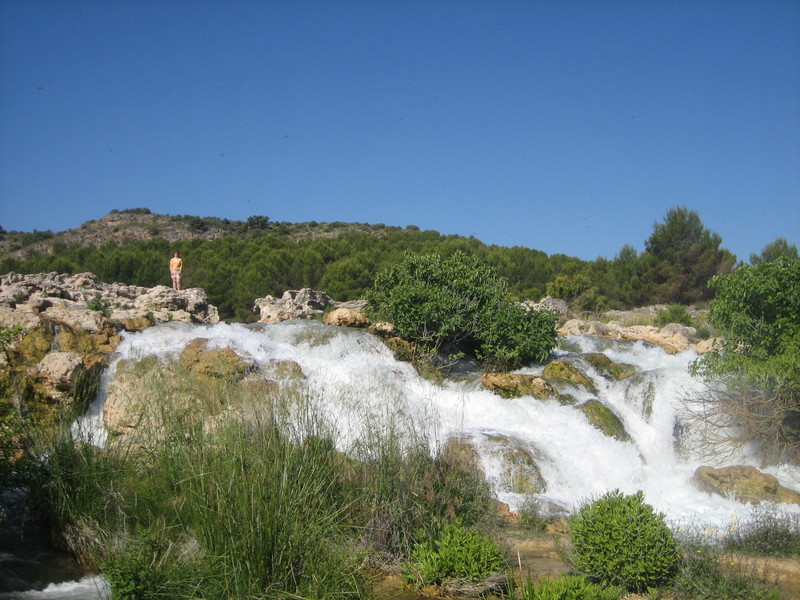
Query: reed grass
(257,501)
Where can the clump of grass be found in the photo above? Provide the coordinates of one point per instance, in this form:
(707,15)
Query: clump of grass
(708,571)
(532,516)
(255,502)
(769,532)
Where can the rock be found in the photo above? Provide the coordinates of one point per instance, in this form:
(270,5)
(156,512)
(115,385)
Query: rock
(69,323)
(607,367)
(511,385)
(673,338)
(222,363)
(383,329)
(519,469)
(302,304)
(604,419)
(745,483)
(561,369)
(556,305)
(346,317)
(294,304)
(58,372)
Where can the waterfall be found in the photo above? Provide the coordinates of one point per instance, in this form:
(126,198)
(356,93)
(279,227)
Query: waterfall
(353,378)
(354,381)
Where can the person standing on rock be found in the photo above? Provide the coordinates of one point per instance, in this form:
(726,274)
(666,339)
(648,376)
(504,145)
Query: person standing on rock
(175,268)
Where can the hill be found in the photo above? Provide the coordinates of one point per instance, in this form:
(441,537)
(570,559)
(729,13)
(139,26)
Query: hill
(139,224)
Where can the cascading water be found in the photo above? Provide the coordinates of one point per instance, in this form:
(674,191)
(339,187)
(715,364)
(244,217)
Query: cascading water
(354,379)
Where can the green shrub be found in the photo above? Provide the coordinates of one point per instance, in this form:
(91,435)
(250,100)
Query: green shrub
(567,587)
(100,305)
(457,553)
(459,305)
(674,313)
(620,540)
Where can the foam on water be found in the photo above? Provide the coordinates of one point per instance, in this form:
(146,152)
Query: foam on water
(354,380)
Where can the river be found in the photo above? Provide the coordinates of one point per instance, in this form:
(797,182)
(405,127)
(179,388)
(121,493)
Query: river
(351,373)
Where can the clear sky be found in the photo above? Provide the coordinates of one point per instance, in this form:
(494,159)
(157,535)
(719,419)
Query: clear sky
(570,127)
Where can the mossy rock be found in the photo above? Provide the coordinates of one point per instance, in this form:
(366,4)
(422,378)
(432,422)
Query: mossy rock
(512,385)
(567,371)
(608,368)
(521,473)
(222,363)
(604,419)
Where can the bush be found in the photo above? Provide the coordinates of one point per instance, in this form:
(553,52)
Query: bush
(674,313)
(620,540)
(458,305)
(567,587)
(457,553)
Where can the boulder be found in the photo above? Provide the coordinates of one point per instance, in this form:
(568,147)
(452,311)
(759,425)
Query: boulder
(222,363)
(607,367)
(745,483)
(512,385)
(346,317)
(604,419)
(567,371)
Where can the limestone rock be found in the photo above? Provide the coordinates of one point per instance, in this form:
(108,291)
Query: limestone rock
(512,385)
(222,363)
(745,483)
(346,317)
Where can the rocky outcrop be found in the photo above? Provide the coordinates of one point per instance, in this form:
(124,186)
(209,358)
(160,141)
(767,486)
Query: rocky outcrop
(673,338)
(746,484)
(556,305)
(65,325)
(299,304)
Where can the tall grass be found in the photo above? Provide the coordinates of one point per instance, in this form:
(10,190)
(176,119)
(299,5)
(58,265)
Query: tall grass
(254,502)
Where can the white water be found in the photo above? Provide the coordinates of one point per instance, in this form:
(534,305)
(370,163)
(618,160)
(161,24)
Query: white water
(351,374)
(354,379)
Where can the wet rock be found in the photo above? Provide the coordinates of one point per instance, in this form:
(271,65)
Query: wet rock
(604,419)
(745,483)
(222,363)
(567,371)
(511,385)
(607,367)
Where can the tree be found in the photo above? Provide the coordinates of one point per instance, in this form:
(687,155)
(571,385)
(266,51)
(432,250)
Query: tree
(459,304)
(757,310)
(686,255)
(780,248)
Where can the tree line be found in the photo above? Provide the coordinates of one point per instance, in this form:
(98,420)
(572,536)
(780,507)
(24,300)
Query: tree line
(680,257)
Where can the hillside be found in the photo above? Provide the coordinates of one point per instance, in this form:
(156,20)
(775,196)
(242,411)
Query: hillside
(139,224)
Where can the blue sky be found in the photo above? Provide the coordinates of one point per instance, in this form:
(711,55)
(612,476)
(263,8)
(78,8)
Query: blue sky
(570,127)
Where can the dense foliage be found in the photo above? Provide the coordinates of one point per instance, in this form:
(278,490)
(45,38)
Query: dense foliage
(757,310)
(238,261)
(456,553)
(620,540)
(458,304)
(685,255)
